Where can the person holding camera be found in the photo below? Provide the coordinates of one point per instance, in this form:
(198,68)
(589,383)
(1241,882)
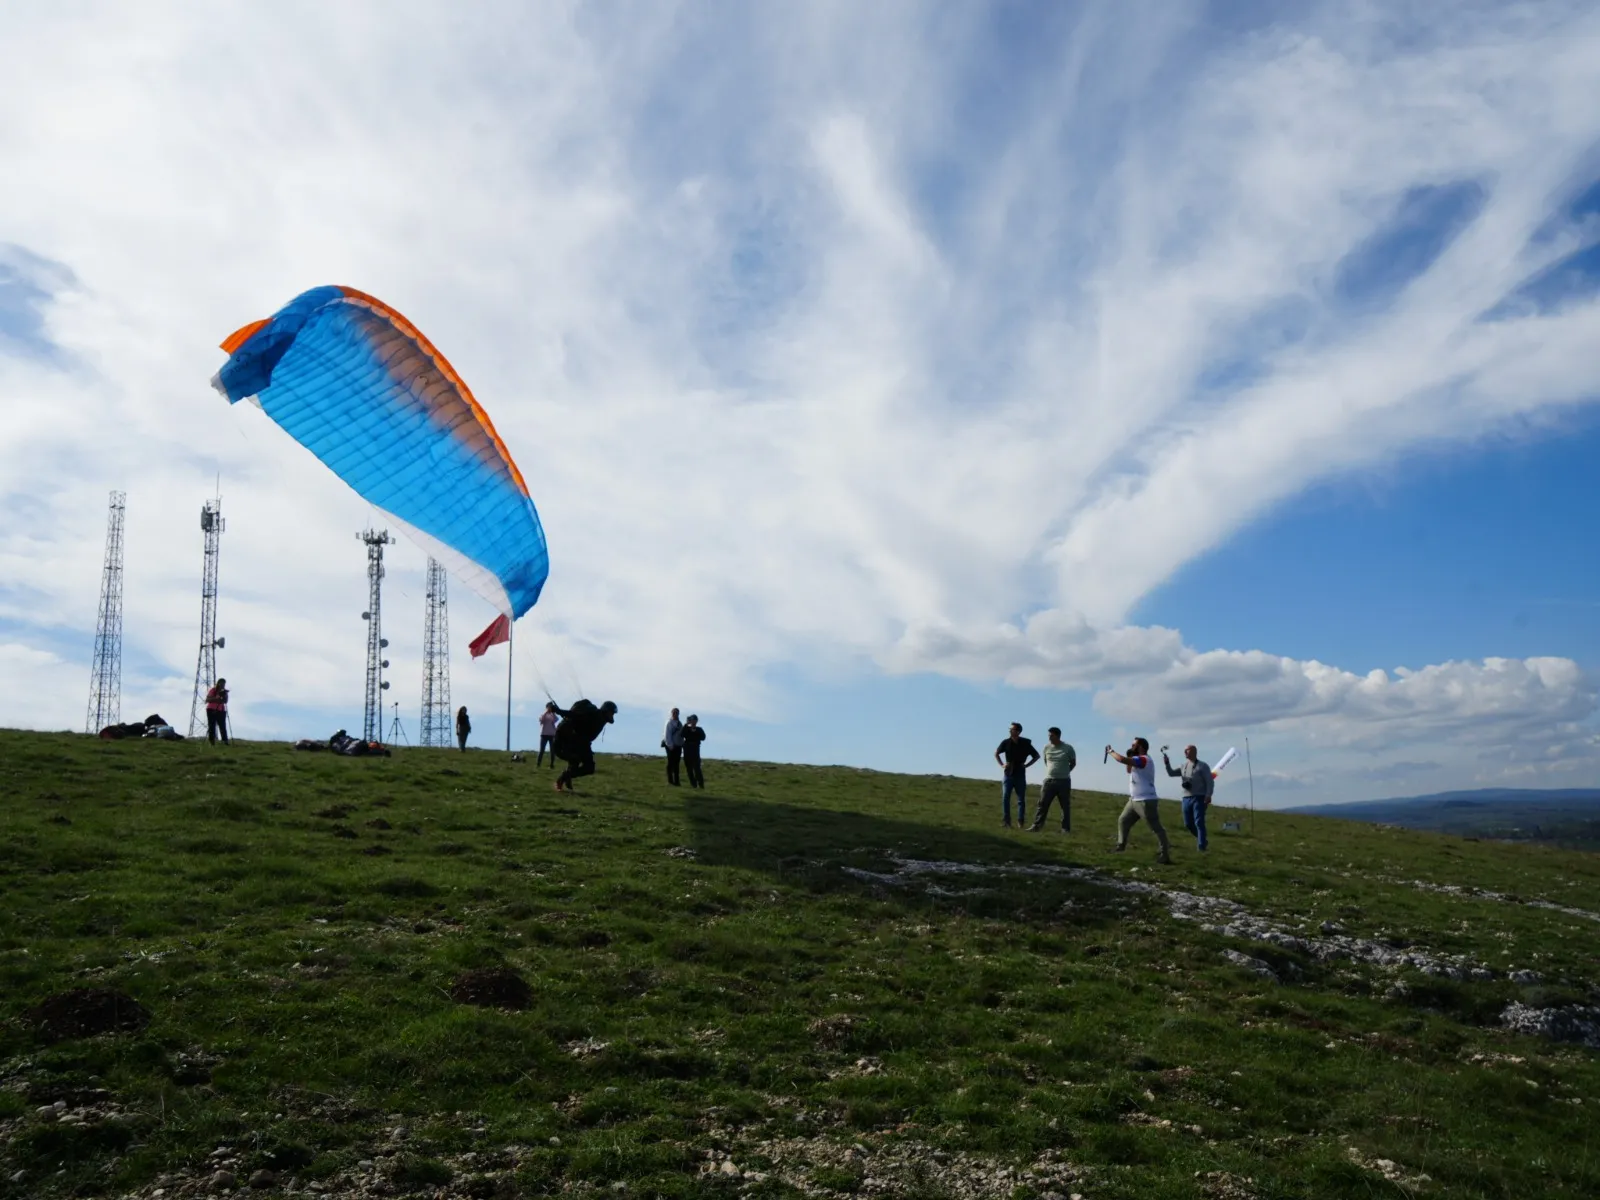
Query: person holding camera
(1142,798)
(1197,788)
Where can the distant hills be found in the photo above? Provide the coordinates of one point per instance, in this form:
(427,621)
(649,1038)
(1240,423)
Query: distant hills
(1564,816)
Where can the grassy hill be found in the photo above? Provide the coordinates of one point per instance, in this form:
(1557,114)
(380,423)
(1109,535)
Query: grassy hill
(801,981)
(1562,816)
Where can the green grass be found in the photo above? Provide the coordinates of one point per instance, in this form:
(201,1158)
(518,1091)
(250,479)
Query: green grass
(293,923)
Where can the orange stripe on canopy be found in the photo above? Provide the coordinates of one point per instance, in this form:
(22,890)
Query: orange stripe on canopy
(444,366)
(243,334)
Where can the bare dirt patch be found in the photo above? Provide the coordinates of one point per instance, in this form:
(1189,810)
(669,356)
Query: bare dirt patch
(85,1012)
(493,987)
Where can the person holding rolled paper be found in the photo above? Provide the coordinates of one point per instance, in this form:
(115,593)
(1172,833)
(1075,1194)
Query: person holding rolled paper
(1198,782)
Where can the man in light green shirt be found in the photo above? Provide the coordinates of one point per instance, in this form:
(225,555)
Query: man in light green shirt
(1059,759)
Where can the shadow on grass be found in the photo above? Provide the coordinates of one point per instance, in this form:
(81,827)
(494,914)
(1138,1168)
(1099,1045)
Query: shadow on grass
(829,850)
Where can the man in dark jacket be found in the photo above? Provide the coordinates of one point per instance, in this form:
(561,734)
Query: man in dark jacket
(575,736)
(1015,755)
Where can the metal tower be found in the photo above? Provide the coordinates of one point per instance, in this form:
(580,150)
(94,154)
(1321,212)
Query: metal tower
(372,716)
(205,670)
(436,722)
(105,679)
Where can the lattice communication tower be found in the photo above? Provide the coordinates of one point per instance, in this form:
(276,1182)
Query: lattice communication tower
(105,678)
(436,722)
(372,716)
(205,670)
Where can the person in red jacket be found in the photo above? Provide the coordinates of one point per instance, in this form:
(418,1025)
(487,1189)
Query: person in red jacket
(217,712)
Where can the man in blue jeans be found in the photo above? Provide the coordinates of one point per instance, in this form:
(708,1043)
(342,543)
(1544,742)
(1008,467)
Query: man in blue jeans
(1015,755)
(1197,785)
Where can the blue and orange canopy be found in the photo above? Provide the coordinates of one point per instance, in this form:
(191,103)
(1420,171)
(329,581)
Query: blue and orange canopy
(359,386)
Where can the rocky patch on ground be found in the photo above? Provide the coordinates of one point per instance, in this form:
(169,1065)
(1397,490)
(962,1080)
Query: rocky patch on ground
(1214,914)
(823,1167)
(1575,1023)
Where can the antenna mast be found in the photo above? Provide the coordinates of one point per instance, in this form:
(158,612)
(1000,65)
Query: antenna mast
(105,678)
(205,670)
(372,716)
(436,659)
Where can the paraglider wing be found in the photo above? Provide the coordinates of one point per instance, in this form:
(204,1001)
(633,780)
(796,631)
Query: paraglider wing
(359,386)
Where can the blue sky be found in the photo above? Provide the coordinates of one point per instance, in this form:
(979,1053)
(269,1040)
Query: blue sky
(882,373)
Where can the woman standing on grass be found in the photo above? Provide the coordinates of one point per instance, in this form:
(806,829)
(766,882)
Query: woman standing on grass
(693,735)
(463,726)
(217,712)
(548,720)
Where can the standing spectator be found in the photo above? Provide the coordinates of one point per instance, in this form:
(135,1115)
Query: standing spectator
(463,727)
(672,743)
(1142,798)
(217,712)
(1197,789)
(1059,760)
(1015,755)
(548,720)
(693,735)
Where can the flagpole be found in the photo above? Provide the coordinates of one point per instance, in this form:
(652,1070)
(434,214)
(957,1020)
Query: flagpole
(1248,766)
(510,628)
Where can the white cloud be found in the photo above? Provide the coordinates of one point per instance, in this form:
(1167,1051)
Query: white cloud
(815,353)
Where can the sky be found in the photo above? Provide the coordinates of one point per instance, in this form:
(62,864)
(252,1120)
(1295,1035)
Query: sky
(882,373)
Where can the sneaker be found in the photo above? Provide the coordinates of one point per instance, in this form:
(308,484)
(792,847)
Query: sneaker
(1118,849)
(1164,859)
(1035,828)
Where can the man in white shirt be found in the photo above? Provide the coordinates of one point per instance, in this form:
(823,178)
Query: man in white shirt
(1059,759)
(1142,799)
(672,742)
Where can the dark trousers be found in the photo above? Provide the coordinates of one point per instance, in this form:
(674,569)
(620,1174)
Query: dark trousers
(461,737)
(546,743)
(216,726)
(697,778)
(576,768)
(1015,782)
(1055,789)
(674,753)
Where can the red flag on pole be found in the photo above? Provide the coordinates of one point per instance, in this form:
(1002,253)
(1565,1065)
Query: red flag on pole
(499,631)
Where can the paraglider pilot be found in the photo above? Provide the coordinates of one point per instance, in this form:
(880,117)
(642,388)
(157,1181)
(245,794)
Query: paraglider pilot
(575,736)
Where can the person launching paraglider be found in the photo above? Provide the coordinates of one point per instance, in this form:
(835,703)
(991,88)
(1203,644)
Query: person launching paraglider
(575,736)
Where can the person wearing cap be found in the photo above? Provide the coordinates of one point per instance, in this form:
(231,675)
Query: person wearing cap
(574,742)
(1059,760)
